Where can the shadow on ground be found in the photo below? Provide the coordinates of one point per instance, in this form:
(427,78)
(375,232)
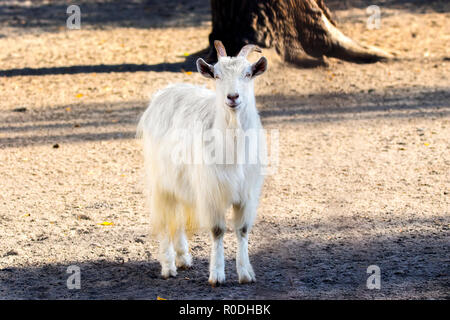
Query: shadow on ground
(84,122)
(413,264)
(187,65)
(156,13)
(413,102)
(113,121)
(103,14)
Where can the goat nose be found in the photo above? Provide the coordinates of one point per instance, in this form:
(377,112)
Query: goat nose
(233,96)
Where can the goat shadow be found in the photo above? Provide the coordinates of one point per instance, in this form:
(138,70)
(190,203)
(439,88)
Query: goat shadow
(413,265)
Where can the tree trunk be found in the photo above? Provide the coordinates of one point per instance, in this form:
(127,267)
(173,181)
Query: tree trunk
(301,31)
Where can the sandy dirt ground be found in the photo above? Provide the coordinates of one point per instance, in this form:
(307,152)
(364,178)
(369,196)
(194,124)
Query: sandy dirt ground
(364,156)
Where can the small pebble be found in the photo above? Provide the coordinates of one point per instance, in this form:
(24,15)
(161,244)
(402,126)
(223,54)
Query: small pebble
(11,253)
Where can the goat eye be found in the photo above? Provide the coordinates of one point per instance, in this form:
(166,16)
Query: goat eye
(248,75)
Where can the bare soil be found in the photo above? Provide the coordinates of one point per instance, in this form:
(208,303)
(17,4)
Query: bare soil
(364,156)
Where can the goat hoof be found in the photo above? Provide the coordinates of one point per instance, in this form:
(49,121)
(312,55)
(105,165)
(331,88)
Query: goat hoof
(184,261)
(167,273)
(216,278)
(246,276)
(244,280)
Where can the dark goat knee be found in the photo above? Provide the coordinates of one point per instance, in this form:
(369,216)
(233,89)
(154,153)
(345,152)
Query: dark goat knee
(217,232)
(243,231)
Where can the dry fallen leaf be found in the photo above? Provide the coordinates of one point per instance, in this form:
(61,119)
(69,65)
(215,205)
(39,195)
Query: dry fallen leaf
(159,298)
(106,223)
(79,95)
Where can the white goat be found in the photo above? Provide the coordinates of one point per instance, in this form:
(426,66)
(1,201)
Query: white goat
(188,196)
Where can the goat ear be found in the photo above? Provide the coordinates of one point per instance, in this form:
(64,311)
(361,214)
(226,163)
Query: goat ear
(205,69)
(259,67)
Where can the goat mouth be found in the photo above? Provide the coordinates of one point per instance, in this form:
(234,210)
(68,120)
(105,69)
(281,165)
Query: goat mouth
(232,105)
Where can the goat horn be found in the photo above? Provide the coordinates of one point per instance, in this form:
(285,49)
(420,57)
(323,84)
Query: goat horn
(247,49)
(221,52)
